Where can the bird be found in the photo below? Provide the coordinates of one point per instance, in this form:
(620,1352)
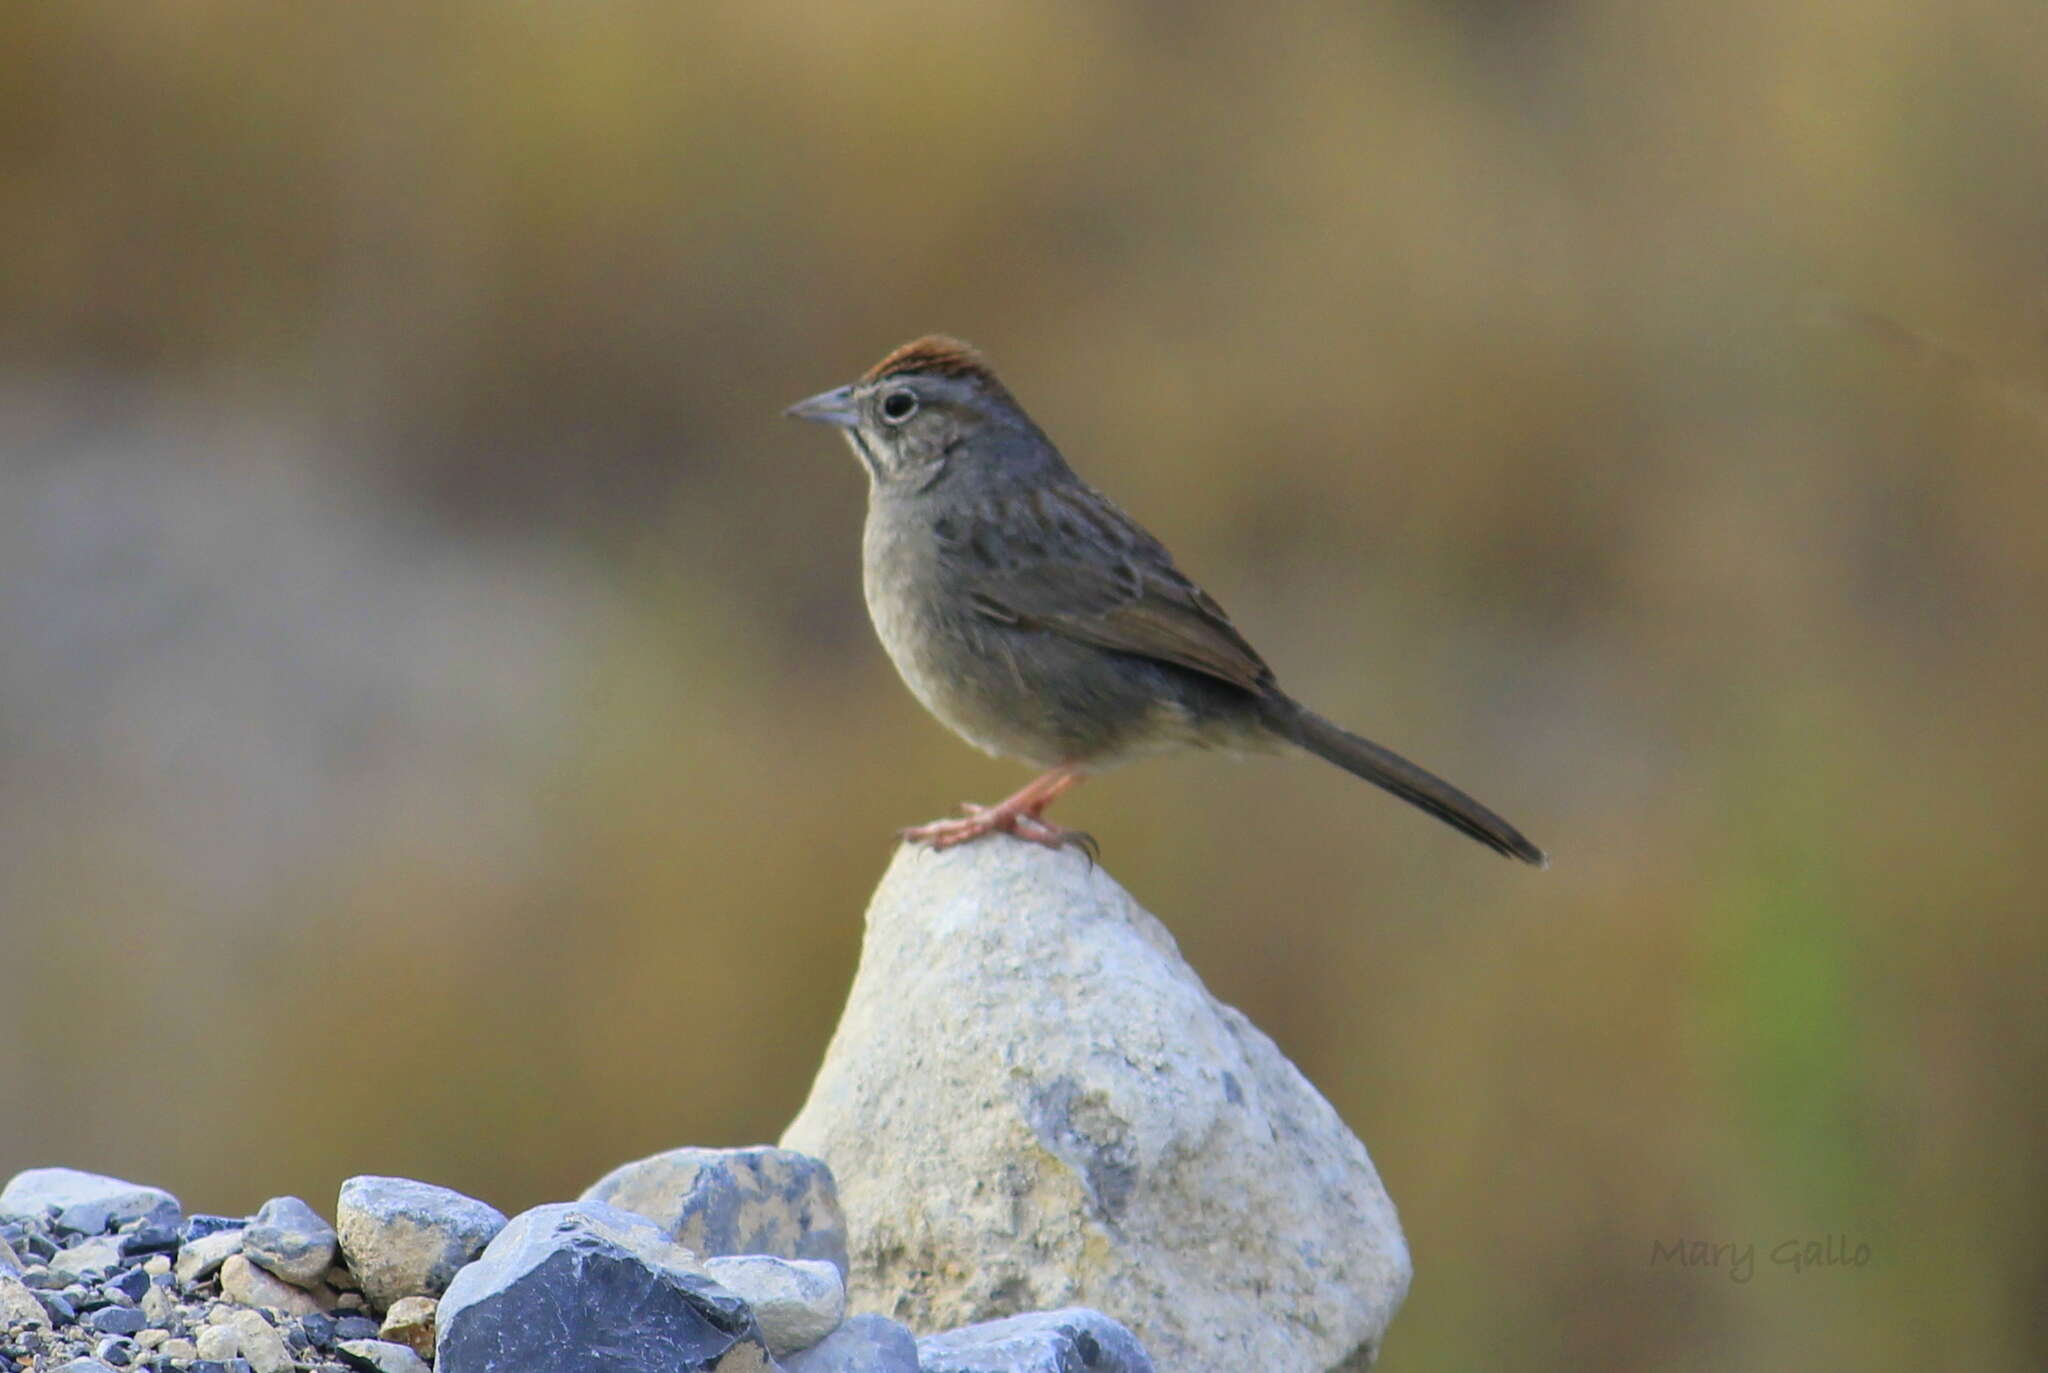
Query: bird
(1041,623)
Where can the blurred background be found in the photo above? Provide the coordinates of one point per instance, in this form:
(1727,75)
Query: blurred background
(440,733)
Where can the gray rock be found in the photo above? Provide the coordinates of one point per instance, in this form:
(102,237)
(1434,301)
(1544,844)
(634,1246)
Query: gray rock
(242,1281)
(201,1258)
(582,1287)
(1075,1340)
(10,1262)
(86,1203)
(735,1201)
(18,1305)
(796,1301)
(380,1356)
(288,1238)
(865,1344)
(1031,1101)
(86,1366)
(407,1239)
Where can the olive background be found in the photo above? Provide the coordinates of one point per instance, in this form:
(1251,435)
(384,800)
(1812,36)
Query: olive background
(440,733)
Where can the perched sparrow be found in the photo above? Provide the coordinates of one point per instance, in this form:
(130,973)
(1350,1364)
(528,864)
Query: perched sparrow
(1039,622)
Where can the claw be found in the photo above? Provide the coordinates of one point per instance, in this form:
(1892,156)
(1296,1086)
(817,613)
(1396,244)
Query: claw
(1020,815)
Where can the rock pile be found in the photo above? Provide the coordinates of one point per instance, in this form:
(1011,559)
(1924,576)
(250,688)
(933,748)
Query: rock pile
(100,1276)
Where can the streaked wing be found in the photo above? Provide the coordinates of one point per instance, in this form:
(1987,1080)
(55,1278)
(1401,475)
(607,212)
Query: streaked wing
(1067,561)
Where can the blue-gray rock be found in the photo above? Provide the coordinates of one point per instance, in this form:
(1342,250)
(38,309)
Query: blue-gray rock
(86,1203)
(58,1307)
(10,1262)
(117,1350)
(116,1320)
(407,1239)
(1073,1340)
(318,1329)
(379,1356)
(864,1344)
(85,1366)
(149,1239)
(131,1284)
(760,1200)
(288,1238)
(582,1287)
(355,1328)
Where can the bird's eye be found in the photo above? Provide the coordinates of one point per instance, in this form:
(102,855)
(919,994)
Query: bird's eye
(898,406)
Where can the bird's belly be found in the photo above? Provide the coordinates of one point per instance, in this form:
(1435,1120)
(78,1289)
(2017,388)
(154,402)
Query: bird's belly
(973,687)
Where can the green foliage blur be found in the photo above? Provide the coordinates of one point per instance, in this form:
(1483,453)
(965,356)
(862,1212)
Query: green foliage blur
(440,733)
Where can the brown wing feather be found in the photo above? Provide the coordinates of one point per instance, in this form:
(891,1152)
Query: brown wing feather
(1090,573)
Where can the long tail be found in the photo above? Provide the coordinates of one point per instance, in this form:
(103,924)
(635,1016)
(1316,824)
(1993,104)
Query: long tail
(1389,770)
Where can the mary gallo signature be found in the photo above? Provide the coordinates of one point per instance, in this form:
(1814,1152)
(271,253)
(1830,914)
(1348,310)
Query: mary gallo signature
(1738,1259)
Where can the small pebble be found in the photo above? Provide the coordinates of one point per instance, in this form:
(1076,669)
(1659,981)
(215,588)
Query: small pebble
(149,1239)
(157,1265)
(355,1328)
(261,1345)
(152,1337)
(131,1284)
(116,1350)
(319,1329)
(179,1348)
(219,1342)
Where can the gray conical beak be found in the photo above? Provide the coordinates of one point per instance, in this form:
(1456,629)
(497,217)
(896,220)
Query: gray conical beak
(828,407)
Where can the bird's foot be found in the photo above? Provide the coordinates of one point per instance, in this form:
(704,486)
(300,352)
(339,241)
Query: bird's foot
(1018,821)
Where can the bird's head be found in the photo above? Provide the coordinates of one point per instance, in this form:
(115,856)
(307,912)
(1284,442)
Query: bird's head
(924,405)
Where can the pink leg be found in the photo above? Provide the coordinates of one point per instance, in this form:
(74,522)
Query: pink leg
(1019,815)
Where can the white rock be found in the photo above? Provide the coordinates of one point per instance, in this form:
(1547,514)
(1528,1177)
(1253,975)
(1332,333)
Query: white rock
(1032,1102)
(796,1301)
